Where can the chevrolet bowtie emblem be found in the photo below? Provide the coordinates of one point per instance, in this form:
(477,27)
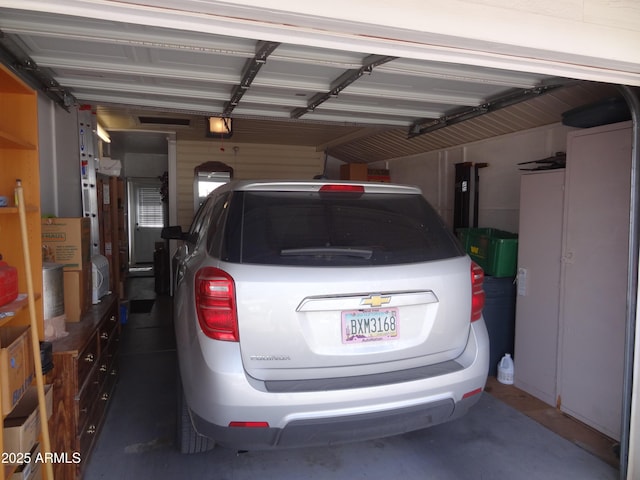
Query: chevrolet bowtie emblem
(375,300)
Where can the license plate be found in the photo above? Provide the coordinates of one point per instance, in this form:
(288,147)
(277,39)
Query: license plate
(369,325)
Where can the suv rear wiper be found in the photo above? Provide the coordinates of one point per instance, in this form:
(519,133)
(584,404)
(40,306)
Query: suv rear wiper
(328,251)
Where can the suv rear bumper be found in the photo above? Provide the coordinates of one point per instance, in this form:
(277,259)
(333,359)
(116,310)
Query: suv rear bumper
(352,428)
(326,417)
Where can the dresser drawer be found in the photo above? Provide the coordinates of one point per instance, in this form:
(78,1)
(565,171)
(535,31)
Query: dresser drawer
(85,368)
(108,330)
(87,360)
(88,434)
(112,377)
(87,398)
(106,361)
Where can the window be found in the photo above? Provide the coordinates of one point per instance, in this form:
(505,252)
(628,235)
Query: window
(206,182)
(150,211)
(296,228)
(205,187)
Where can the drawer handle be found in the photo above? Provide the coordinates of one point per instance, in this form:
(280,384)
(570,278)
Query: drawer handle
(113,372)
(92,429)
(104,397)
(90,358)
(103,367)
(84,410)
(104,336)
(113,318)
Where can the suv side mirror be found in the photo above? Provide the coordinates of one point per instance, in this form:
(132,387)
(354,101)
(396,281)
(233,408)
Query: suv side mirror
(173,233)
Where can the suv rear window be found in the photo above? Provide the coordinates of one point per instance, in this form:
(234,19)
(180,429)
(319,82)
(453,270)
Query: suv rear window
(334,229)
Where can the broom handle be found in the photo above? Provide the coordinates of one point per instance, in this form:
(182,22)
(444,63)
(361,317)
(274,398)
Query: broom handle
(35,342)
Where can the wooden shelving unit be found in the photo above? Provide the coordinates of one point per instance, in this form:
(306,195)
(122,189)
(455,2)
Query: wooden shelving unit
(20,234)
(9,311)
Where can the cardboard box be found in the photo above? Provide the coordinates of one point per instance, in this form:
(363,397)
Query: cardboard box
(31,470)
(378,175)
(16,365)
(22,426)
(67,241)
(353,171)
(77,293)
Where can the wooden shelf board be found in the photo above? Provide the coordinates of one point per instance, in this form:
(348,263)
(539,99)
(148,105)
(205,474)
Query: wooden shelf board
(10,310)
(14,210)
(8,140)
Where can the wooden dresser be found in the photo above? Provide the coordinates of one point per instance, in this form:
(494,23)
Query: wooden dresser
(84,375)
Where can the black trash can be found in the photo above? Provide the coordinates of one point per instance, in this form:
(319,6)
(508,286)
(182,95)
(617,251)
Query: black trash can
(161,268)
(500,316)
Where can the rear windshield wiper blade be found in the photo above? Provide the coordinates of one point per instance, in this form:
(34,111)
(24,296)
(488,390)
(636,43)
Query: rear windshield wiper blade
(328,251)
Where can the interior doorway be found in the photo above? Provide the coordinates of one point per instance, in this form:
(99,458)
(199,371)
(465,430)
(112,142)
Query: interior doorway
(146,218)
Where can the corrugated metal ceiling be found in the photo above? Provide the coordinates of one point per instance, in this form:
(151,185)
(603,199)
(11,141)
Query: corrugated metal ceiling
(368,104)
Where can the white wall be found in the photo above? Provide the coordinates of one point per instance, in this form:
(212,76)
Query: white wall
(434,172)
(249,161)
(144,165)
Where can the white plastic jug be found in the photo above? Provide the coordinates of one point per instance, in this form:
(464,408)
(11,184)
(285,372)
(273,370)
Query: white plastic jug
(505,370)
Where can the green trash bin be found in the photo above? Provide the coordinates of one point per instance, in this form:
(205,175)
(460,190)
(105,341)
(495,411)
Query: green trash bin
(496,251)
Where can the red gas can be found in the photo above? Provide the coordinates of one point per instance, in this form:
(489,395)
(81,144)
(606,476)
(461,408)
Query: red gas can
(8,283)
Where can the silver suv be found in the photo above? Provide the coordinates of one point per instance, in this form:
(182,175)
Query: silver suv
(315,312)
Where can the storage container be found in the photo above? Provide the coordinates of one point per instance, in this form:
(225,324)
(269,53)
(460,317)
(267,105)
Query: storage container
(31,470)
(496,251)
(8,283)
(22,426)
(16,365)
(67,241)
(506,369)
(354,171)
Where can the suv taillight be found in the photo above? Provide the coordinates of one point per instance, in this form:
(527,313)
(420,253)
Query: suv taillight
(341,188)
(216,304)
(477,292)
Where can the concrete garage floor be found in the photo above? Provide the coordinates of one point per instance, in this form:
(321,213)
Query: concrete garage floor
(494,441)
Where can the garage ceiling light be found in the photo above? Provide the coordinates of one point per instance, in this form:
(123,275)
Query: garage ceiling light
(219,127)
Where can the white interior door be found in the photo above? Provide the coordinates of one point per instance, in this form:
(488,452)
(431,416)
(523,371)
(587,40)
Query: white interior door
(147,218)
(595,265)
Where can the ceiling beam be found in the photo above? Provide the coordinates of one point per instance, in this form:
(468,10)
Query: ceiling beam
(342,82)
(14,56)
(422,127)
(251,69)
